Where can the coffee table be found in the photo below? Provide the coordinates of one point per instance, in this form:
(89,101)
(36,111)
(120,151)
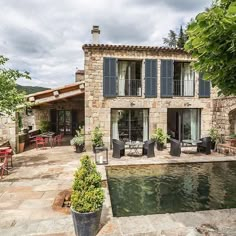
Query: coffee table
(134,147)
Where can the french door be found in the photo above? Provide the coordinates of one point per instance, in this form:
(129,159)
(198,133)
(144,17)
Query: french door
(184,123)
(129,124)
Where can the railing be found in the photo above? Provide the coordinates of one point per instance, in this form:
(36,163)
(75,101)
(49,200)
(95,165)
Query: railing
(131,87)
(183,88)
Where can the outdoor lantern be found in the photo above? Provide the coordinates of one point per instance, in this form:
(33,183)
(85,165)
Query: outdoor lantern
(101,155)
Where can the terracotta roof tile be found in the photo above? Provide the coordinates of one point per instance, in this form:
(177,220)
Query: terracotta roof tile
(132,47)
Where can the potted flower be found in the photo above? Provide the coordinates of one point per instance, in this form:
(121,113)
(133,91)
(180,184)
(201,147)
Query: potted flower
(97,136)
(78,140)
(87,198)
(160,137)
(214,134)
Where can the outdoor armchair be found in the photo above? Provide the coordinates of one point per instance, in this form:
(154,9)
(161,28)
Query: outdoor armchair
(148,148)
(175,147)
(118,148)
(205,145)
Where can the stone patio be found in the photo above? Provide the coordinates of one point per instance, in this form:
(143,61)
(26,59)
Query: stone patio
(28,192)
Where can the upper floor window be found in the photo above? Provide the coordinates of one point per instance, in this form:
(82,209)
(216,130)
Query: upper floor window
(183,81)
(124,77)
(178,79)
(129,81)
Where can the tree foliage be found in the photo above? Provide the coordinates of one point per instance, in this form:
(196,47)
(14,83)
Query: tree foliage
(10,97)
(176,40)
(87,195)
(212,42)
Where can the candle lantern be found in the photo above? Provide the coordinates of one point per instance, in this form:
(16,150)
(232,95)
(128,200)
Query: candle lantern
(101,155)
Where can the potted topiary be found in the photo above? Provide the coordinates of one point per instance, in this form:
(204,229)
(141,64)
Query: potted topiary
(214,134)
(160,137)
(97,136)
(87,198)
(78,140)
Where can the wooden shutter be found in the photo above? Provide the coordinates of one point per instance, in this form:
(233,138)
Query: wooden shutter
(109,77)
(150,78)
(167,76)
(204,87)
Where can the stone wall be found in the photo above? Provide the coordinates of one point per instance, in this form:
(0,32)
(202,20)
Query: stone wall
(224,115)
(8,130)
(98,108)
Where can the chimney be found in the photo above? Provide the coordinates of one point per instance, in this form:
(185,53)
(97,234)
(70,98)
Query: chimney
(95,32)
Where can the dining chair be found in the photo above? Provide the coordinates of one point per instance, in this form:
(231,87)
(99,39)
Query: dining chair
(39,141)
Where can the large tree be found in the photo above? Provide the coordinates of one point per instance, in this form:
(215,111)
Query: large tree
(10,97)
(176,40)
(212,42)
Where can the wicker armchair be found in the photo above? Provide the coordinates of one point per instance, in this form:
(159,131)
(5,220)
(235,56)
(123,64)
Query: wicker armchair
(148,148)
(118,148)
(205,145)
(175,147)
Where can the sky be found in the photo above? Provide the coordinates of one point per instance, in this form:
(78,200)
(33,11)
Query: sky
(45,37)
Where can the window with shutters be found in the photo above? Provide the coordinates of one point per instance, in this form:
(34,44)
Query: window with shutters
(129,81)
(184,79)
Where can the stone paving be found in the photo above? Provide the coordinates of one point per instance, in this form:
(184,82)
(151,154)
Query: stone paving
(28,192)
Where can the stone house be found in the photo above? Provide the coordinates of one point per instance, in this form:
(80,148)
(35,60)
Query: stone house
(129,91)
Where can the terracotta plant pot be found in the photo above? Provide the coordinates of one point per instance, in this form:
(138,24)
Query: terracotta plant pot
(21,147)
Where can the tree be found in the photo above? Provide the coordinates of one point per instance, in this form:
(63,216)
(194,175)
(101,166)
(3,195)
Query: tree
(10,97)
(171,40)
(181,38)
(212,42)
(175,40)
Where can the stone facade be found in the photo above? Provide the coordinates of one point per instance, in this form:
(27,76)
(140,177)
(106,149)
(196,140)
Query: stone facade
(7,129)
(98,108)
(224,115)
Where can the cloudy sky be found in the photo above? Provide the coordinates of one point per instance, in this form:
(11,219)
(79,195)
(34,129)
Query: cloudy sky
(45,37)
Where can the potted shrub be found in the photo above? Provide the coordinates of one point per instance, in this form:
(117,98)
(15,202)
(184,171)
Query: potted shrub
(97,136)
(214,134)
(78,140)
(160,137)
(87,198)
(44,126)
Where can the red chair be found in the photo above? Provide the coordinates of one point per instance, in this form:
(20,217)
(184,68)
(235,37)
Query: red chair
(4,164)
(39,141)
(9,155)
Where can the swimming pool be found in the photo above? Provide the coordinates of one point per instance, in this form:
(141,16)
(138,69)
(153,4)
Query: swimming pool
(169,188)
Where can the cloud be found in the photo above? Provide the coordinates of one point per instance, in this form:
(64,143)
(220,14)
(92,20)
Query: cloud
(45,37)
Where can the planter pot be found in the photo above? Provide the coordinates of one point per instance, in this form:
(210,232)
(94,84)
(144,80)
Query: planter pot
(21,147)
(160,146)
(213,145)
(94,148)
(86,224)
(79,148)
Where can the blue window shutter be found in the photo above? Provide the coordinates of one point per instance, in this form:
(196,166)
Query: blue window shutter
(150,78)
(204,87)
(109,77)
(167,76)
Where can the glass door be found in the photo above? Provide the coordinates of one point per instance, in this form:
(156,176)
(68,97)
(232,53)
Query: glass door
(129,124)
(64,122)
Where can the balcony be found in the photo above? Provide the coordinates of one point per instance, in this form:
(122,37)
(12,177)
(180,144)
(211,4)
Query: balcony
(183,88)
(132,87)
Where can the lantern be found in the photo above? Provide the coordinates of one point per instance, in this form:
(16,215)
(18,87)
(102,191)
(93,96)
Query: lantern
(101,155)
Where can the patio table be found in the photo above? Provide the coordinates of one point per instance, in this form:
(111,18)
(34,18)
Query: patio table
(48,135)
(133,147)
(190,143)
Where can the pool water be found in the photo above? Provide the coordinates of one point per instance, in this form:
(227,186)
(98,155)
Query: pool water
(169,188)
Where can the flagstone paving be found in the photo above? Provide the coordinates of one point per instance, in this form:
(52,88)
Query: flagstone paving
(28,192)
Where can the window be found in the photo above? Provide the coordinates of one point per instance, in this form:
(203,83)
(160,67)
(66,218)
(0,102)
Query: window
(129,78)
(183,79)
